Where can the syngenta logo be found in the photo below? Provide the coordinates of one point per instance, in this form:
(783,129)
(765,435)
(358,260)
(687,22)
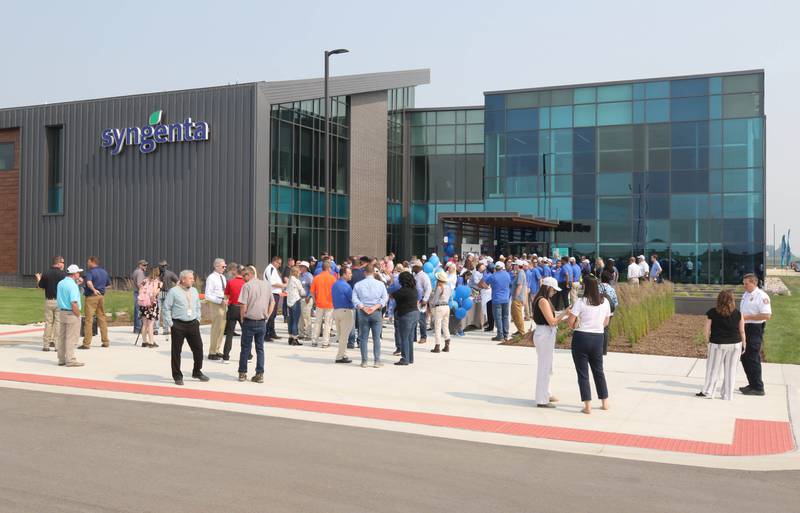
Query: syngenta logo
(147,138)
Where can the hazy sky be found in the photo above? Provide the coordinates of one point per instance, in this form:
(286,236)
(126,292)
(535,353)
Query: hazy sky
(78,50)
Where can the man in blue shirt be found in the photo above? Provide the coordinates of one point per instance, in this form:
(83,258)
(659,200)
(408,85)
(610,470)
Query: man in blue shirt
(655,269)
(342,294)
(68,297)
(500,283)
(306,304)
(564,279)
(322,258)
(536,279)
(95,289)
(369,297)
(547,271)
(575,270)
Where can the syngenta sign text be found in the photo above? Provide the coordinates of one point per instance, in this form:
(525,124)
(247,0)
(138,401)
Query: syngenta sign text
(147,138)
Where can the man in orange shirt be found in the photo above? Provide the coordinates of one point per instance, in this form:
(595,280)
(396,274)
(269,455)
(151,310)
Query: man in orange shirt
(321,290)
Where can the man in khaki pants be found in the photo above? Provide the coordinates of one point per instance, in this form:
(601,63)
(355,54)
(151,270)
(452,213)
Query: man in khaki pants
(96,282)
(215,295)
(342,295)
(68,297)
(49,282)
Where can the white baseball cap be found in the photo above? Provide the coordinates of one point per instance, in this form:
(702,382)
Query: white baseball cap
(552,283)
(303,263)
(74,269)
(499,265)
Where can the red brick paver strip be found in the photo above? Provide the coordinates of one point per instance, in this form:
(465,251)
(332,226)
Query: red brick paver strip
(750,437)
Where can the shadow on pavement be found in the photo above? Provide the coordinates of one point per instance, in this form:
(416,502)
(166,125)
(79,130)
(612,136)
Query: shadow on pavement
(54,361)
(150,378)
(494,399)
(665,392)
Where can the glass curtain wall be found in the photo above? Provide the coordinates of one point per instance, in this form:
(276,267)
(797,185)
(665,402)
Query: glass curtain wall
(668,166)
(297,185)
(446,170)
(398,101)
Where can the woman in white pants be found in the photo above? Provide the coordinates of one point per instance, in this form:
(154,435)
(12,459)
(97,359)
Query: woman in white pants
(440,311)
(724,332)
(544,338)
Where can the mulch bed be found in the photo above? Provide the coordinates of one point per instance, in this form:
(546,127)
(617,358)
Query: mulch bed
(676,337)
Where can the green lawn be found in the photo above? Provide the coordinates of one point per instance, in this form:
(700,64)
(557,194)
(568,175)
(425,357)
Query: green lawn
(782,336)
(24,306)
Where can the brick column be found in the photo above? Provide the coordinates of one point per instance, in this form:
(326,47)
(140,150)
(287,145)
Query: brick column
(368,173)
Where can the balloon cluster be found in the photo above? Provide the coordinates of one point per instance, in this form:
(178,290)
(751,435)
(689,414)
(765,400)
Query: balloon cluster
(461,302)
(449,248)
(431,267)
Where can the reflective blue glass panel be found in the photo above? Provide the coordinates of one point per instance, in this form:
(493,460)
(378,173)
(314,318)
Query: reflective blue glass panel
(689,87)
(522,119)
(657,111)
(614,113)
(495,101)
(689,109)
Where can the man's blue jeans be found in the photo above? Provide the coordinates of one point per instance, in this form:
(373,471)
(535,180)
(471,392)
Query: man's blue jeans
(137,322)
(423,327)
(366,323)
(501,319)
(253,330)
(405,327)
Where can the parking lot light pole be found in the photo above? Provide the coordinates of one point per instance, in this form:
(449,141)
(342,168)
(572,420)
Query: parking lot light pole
(327,247)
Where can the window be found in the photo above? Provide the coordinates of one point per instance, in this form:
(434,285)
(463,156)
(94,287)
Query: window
(474,134)
(614,184)
(614,113)
(561,117)
(55,169)
(495,101)
(657,90)
(746,105)
(585,115)
(657,111)
(614,93)
(584,95)
(689,109)
(445,117)
(741,84)
(6,156)
(522,119)
(475,116)
(689,87)
(520,100)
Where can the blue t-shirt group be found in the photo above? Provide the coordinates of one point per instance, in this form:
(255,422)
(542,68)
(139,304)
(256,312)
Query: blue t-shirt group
(500,281)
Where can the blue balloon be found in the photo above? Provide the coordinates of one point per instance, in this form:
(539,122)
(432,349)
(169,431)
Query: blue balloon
(461,313)
(450,249)
(453,304)
(462,291)
(433,278)
(434,260)
(428,267)
(466,303)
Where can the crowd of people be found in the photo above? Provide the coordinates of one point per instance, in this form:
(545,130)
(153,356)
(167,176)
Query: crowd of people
(425,297)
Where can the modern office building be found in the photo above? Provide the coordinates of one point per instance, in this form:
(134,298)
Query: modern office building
(669,165)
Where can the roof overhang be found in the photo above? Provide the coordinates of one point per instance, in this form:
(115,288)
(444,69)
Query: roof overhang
(502,219)
(341,85)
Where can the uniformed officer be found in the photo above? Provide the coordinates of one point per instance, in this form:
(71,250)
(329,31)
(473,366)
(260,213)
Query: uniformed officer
(756,310)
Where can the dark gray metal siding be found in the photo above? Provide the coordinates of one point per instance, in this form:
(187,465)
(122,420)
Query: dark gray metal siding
(186,202)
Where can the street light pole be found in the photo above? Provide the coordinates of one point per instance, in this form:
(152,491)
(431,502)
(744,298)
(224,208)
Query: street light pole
(328,53)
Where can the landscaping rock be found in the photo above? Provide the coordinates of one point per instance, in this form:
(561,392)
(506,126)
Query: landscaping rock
(773,285)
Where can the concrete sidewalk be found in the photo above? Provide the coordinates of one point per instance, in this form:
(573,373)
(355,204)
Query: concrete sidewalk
(479,391)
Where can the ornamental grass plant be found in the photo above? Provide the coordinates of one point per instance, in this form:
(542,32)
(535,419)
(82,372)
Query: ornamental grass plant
(641,309)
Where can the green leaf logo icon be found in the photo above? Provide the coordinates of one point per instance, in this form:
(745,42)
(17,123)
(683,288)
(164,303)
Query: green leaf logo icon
(155,117)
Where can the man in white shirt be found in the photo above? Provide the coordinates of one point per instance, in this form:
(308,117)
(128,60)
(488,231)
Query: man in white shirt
(634,272)
(272,275)
(756,311)
(645,274)
(215,295)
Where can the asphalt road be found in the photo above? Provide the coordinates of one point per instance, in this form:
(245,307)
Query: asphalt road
(62,453)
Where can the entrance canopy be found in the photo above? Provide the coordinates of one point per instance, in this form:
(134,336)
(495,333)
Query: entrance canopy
(498,219)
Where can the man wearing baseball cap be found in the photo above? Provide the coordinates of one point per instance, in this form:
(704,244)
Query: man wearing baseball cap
(68,296)
(138,277)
